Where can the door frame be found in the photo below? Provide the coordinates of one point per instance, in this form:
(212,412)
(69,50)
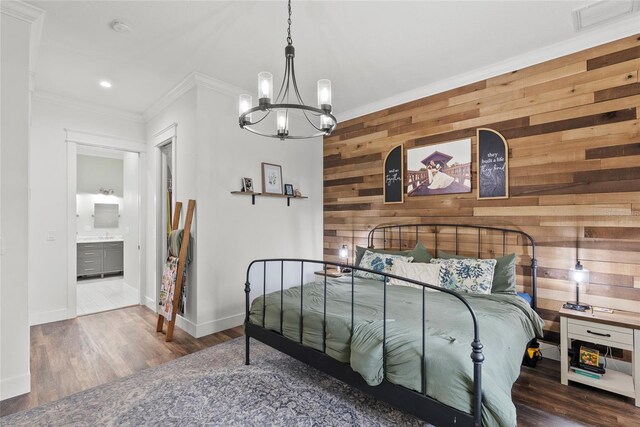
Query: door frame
(74,138)
(168,135)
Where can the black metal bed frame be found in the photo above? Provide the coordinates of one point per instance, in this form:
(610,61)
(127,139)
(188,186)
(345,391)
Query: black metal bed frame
(410,401)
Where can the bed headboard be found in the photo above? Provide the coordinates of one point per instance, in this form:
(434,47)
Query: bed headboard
(463,239)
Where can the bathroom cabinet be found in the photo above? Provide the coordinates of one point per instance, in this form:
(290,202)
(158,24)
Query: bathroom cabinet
(99,258)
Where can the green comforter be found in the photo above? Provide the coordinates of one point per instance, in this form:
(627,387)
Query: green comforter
(507,324)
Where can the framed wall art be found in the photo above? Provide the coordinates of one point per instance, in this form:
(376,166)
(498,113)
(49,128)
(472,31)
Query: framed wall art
(393,187)
(271,178)
(439,169)
(493,165)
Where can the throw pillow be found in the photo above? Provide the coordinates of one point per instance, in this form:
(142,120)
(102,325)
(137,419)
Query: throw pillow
(419,253)
(426,273)
(378,262)
(466,275)
(504,277)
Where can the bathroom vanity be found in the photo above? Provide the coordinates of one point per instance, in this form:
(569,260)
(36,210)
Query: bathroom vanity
(100,256)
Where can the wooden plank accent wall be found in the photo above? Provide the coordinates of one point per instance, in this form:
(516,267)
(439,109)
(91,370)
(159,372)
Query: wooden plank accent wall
(573,127)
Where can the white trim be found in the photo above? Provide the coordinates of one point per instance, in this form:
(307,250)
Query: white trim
(56,99)
(150,303)
(193,79)
(105,141)
(213,326)
(15,386)
(21,10)
(72,244)
(187,326)
(49,316)
(207,328)
(209,82)
(168,135)
(584,40)
(75,137)
(162,136)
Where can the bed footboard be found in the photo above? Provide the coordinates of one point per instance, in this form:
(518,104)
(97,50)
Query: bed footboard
(418,404)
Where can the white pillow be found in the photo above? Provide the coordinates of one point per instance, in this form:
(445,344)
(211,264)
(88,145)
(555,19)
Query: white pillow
(427,273)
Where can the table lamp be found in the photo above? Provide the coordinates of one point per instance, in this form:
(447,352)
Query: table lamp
(343,254)
(579,275)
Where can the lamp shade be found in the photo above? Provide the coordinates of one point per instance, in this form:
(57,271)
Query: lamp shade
(343,252)
(579,274)
(282,124)
(324,94)
(244,105)
(265,86)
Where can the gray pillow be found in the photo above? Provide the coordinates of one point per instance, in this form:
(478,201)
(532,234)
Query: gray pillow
(504,276)
(419,253)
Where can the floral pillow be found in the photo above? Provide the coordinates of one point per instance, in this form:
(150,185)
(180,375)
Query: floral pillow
(378,262)
(466,275)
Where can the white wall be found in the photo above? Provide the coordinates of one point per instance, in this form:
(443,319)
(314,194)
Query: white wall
(14,187)
(213,153)
(233,232)
(93,173)
(48,237)
(129,220)
(96,172)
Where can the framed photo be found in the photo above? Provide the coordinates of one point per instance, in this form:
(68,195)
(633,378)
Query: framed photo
(271,178)
(247,185)
(288,190)
(439,169)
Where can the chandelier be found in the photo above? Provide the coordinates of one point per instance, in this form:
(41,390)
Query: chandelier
(320,118)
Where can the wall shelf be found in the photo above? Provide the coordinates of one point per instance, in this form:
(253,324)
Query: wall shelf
(281,196)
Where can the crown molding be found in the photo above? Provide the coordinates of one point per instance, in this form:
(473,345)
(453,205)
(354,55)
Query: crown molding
(193,79)
(21,10)
(53,98)
(34,17)
(586,39)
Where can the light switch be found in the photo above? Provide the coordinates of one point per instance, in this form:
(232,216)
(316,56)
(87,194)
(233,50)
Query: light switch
(87,228)
(51,235)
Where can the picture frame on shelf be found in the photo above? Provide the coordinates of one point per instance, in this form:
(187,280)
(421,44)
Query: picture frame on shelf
(288,190)
(271,178)
(247,185)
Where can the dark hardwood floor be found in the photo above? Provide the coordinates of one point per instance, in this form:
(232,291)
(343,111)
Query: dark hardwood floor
(74,355)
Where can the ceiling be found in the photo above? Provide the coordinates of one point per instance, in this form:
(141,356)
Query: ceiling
(371,50)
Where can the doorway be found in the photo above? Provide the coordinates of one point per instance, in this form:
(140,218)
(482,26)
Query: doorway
(105,184)
(107,212)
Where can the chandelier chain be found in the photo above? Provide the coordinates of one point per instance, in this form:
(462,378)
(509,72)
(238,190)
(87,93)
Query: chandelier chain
(289,40)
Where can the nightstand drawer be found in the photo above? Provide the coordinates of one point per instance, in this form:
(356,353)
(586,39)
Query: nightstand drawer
(601,333)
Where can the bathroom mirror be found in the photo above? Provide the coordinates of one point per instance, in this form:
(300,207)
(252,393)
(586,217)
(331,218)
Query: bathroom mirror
(105,215)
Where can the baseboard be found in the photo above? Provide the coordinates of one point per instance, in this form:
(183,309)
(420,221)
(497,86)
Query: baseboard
(218,325)
(15,386)
(48,316)
(187,326)
(151,303)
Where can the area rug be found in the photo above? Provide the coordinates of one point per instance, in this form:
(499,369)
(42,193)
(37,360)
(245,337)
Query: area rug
(213,387)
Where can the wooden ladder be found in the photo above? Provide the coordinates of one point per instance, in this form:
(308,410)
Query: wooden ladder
(182,258)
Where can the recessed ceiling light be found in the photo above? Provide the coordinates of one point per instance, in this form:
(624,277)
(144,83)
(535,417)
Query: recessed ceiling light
(105,84)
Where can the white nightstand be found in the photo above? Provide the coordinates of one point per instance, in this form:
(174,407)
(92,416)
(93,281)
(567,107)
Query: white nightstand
(617,330)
